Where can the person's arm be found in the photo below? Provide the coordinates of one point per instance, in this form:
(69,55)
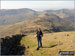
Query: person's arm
(36,34)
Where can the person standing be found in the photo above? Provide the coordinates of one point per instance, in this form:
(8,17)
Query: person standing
(39,36)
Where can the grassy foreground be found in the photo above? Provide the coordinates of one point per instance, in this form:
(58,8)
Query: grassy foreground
(52,42)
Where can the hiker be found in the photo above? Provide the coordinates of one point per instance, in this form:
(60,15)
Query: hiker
(39,38)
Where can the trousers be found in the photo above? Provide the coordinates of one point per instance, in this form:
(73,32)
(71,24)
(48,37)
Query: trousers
(39,40)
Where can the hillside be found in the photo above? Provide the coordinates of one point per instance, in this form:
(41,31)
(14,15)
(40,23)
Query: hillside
(12,16)
(52,42)
(48,23)
(57,26)
(26,21)
(63,13)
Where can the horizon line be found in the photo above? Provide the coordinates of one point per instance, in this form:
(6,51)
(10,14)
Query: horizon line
(37,10)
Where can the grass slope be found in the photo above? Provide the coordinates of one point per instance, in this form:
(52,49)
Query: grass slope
(52,42)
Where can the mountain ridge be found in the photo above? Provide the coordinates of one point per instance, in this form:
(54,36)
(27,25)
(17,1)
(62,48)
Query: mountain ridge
(48,23)
(12,16)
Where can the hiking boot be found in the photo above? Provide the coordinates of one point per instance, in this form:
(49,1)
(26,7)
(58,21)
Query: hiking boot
(41,46)
(37,49)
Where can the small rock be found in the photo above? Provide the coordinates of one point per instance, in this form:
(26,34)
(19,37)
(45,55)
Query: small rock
(55,38)
(67,34)
(26,46)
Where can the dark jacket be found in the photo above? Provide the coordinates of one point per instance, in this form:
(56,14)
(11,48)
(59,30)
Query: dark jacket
(39,34)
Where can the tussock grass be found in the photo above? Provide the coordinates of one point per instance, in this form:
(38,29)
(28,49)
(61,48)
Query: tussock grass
(52,42)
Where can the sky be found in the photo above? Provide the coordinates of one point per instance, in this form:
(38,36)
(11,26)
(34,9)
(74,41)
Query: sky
(37,5)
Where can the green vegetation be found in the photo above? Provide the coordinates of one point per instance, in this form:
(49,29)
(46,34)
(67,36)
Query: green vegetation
(52,23)
(51,43)
(9,17)
(61,28)
(49,21)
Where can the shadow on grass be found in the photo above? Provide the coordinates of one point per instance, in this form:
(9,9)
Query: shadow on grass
(50,46)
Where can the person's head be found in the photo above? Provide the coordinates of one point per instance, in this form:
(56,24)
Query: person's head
(39,29)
